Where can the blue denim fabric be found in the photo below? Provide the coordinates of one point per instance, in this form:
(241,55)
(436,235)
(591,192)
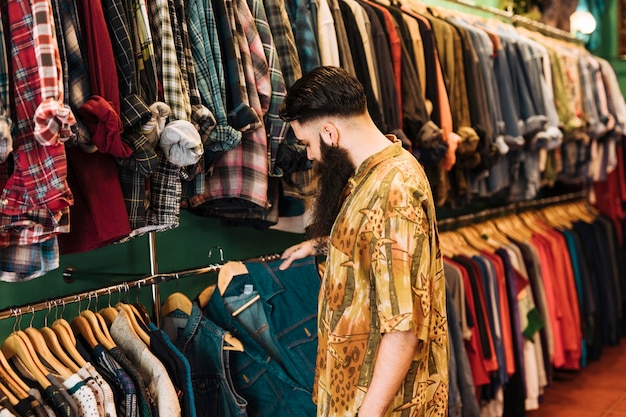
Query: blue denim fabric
(202,343)
(183,373)
(284,321)
(280,386)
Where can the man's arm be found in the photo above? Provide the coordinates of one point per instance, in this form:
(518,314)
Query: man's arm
(395,354)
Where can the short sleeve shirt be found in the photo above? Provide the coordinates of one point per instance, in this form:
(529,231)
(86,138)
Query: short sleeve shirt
(384,273)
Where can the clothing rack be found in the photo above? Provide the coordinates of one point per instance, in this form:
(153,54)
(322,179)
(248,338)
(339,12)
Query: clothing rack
(511,208)
(515,18)
(151,280)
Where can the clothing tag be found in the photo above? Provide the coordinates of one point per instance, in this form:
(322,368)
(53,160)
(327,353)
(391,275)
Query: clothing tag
(248,288)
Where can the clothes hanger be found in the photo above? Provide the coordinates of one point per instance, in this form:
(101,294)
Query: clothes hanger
(17,345)
(65,336)
(81,326)
(55,346)
(512,227)
(52,341)
(474,239)
(227,272)
(130,316)
(109,313)
(93,322)
(13,381)
(141,313)
(232,342)
(101,333)
(43,351)
(9,394)
(176,301)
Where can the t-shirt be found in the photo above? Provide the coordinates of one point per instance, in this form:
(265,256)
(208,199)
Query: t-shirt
(384,274)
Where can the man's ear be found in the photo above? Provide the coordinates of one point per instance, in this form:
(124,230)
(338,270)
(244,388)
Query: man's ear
(330,134)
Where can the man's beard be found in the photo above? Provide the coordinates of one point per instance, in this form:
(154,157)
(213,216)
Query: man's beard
(333,171)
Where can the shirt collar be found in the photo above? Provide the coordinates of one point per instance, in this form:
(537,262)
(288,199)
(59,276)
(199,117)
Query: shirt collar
(370,163)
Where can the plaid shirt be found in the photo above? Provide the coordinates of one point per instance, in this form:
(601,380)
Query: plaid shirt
(304,32)
(23,263)
(240,175)
(144,50)
(168,68)
(201,117)
(40,172)
(75,75)
(240,115)
(284,39)
(207,58)
(134,111)
(276,128)
(53,120)
(6,140)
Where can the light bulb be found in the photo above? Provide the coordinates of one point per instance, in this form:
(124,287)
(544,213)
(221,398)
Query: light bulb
(582,21)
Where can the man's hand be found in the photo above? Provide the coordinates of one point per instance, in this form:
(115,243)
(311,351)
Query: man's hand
(299,251)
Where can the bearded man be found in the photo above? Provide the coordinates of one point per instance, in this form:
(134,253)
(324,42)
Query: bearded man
(382,327)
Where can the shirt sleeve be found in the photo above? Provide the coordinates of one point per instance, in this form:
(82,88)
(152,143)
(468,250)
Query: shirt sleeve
(401,262)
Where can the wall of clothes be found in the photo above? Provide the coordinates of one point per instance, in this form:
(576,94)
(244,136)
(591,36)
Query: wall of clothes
(531,294)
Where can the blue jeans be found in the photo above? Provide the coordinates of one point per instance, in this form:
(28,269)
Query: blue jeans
(202,341)
(276,371)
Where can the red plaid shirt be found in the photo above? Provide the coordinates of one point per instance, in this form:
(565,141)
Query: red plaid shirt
(39,176)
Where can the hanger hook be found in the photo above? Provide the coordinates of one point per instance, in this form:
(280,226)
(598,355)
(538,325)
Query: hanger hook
(88,302)
(138,291)
(32,315)
(79,301)
(63,309)
(45,319)
(95,296)
(220,250)
(15,312)
(177,281)
(109,300)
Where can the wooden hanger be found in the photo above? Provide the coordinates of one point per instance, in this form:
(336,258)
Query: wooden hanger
(227,272)
(232,342)
(176,301)
(134,324)
(474,239)
(55,346)
(97,329)
(61,322)
(512,227)
(81,326)
(15,383)
(15,345)
(43,351)
(205,295)
(68,342)
(9,394)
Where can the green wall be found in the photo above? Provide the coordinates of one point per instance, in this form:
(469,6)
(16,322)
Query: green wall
(178,249)
(608,27)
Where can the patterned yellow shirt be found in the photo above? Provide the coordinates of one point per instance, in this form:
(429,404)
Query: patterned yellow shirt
(384,273)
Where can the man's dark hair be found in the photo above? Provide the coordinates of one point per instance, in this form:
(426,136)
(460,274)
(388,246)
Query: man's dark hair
(324,91)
